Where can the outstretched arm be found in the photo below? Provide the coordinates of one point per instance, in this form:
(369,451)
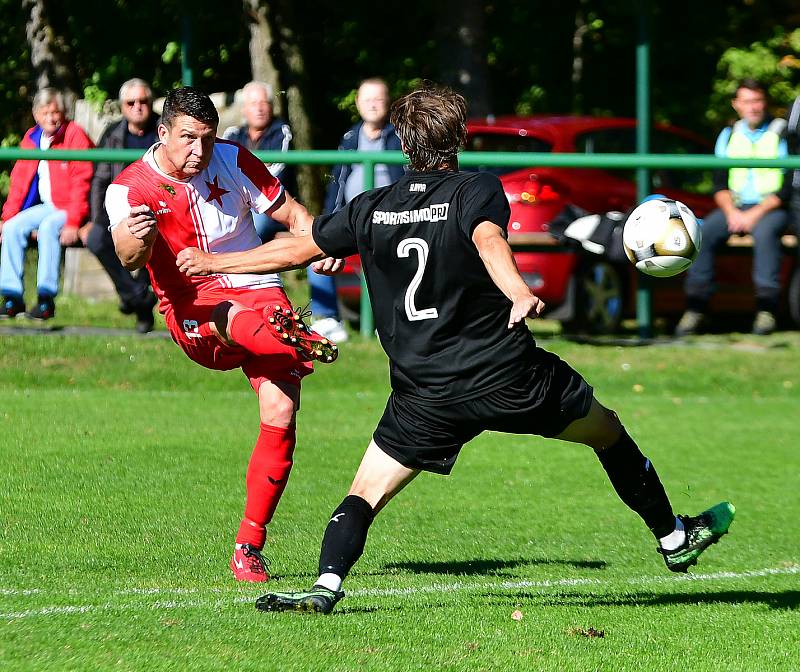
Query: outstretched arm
(295,217)
(499,261)
(281,254)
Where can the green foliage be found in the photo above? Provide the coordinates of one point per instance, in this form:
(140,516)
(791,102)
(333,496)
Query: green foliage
(774,62)
(528,52)
(171,52)
(531,101)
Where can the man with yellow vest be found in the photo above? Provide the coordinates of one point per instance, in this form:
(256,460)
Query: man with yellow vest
(750,201)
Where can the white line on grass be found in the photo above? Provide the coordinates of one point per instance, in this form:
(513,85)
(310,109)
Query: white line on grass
(550,583)
(440,588)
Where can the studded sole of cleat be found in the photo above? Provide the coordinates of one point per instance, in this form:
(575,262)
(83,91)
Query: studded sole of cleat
(291,329)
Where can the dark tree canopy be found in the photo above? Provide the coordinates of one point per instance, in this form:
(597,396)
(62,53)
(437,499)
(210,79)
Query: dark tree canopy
(528,56)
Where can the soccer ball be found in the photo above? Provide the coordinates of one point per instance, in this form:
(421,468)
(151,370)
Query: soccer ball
(662,237)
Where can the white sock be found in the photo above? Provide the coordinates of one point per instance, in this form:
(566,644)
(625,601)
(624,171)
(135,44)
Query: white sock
(330,581)
(675,538)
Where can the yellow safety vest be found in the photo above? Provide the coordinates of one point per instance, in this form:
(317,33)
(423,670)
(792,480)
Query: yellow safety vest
(767,180)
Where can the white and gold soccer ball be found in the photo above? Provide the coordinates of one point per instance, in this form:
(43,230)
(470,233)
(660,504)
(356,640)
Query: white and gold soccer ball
(662,237)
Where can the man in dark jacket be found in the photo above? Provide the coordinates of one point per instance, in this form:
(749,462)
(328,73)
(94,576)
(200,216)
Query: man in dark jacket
(262,131)
(136,130)
(372,133)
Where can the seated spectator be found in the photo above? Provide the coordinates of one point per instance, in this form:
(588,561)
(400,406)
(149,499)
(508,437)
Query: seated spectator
(372,133)
(136,130)
(750,201)
(49,197)
(263,132)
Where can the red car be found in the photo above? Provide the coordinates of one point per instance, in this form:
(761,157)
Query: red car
(585,292)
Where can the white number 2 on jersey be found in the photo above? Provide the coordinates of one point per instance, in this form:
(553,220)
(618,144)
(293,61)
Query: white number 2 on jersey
(404,250)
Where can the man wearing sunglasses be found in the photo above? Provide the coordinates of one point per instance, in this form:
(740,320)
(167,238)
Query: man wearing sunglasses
(136,130)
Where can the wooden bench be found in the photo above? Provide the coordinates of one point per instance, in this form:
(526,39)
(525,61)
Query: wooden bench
(788,242)
(541,241)
(572,309)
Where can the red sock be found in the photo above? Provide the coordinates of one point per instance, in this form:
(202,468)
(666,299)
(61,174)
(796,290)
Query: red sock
(248,329)
(267,474)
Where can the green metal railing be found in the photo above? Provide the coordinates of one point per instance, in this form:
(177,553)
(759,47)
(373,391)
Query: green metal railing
(639,161)
(469,159)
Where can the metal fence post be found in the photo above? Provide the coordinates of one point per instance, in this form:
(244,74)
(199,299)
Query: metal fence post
(644,295)
(367,321)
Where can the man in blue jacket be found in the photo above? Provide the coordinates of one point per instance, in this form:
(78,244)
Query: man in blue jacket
(264,132)
(372,133)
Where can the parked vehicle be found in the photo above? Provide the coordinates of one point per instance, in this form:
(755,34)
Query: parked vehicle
(587,292)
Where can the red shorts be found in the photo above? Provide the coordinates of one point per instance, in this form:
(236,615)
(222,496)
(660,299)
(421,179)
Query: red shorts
(187,323)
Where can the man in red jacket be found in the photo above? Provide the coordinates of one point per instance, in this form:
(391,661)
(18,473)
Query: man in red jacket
(50,197)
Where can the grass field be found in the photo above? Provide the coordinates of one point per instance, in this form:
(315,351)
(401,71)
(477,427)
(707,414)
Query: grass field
(122,485)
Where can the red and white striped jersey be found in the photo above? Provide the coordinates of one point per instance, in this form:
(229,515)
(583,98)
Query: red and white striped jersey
(211,211)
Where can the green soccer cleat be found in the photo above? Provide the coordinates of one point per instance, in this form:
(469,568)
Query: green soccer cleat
(701,532)
(318,599)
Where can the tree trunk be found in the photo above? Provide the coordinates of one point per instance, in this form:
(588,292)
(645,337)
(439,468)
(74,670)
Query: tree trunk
(50,55)
(261,43)
(283,22)
(463,52)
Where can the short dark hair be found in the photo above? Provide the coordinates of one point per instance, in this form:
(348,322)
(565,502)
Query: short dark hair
(191,102)
(750,84)
(431,122)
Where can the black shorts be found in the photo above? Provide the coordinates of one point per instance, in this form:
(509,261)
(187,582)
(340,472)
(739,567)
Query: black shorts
(544,399)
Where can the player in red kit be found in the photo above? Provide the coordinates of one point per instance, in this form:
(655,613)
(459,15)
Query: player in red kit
(192,189)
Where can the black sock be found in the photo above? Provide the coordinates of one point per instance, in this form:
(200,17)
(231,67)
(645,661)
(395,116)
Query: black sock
(345,536)
(637,484)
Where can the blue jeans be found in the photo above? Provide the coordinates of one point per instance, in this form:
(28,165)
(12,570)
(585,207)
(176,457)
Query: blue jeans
(48,221)
(323,287)
(766,259)
(323,295)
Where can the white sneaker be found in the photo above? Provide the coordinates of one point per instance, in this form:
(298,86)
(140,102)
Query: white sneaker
(330,328)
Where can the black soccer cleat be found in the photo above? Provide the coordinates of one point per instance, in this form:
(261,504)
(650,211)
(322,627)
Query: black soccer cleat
(701,532)
(45,309)
(11,307)
(318,600)
(288,327)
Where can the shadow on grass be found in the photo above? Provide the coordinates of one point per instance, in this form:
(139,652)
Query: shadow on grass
(475,567)
(788,600)
(480,566)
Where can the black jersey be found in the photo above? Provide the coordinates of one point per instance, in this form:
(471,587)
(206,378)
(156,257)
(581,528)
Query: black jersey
(439,316)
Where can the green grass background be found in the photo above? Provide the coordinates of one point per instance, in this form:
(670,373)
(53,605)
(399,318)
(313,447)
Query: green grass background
(122,484)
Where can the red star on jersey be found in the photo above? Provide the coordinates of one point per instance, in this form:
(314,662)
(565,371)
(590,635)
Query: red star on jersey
(215,192)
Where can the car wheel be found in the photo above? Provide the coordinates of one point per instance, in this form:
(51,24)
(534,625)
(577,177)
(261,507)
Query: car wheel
(599,297)
(794,297)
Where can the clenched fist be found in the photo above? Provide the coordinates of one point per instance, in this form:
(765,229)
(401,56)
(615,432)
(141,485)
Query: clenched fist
(192,261)
(142,223)
(528,305)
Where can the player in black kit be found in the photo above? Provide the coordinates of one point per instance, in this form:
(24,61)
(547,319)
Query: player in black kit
(450,309)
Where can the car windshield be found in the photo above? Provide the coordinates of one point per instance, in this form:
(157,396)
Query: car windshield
(496,142)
